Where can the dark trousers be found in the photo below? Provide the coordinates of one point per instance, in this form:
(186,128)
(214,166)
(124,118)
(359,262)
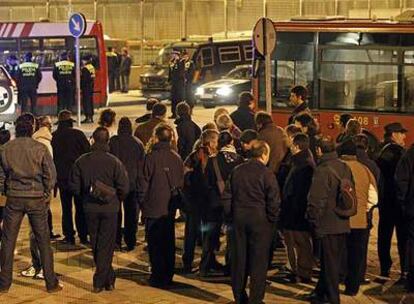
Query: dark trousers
(111,81)
(191,233)
(388,219)
(102,230)
(65,98)
(177,95)
(50,221)
(66,198)
(332,248)
(249,255)
(87,102)
(299,251)
(410,254)
(24,95)
(211,242)
(356,257)
(130,213)
(160,234)
(124,83)
(36,209)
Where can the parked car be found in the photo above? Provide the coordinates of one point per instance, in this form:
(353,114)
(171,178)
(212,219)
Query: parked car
(226,90)
(8,97)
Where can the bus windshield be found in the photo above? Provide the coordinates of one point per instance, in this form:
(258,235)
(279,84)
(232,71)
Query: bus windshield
(164,56)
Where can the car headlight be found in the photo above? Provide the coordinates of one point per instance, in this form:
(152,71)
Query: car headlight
(200,91)
(224,91)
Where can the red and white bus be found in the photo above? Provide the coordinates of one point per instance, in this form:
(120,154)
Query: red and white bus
(362,67)
(47,40)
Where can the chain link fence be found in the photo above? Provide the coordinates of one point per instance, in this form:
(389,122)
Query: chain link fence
(164,19)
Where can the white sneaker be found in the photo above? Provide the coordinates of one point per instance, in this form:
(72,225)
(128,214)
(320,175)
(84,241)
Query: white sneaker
(40,275)
(29,272)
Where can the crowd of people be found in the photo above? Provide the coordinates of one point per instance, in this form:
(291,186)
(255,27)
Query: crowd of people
(266,185)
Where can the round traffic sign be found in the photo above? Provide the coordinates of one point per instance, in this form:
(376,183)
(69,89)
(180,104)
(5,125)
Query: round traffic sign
(264,36)
(77,25)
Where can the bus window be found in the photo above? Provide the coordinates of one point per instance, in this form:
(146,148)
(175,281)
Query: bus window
(88,46)
(207,57)
(409,81)
(52,48)
(293,65)
(229,54)
(33,46)
(359,79)
(7,47)
(248,52)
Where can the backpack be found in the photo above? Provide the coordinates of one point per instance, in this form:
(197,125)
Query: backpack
(346,203)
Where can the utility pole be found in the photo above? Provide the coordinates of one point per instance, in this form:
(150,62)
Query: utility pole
(95,9)
(265,8)
(141,8)
(48,9)
(226,19)
(184,19)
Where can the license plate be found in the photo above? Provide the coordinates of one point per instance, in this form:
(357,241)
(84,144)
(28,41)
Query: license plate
(207,96)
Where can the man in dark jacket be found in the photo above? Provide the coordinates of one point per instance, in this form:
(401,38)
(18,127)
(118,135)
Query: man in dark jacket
(293,209)
(125,70)
(297,98)
(147,116)
(326,224)
(243,117)
(30,177)
(390,213)
(252,201)
(163,172)
(273,135)
(68,145)
(188,131)
(28,79)
(112,63)
(101,212)
(177,79)
(130,151)
(404,181)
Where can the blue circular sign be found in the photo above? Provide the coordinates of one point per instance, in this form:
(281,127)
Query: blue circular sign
(77,25)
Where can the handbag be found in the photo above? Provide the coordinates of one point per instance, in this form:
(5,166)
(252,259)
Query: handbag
(220,182)
(178,199)
(103,193)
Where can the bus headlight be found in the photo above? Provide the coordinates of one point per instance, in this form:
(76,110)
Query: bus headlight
(224,91)
(200,91)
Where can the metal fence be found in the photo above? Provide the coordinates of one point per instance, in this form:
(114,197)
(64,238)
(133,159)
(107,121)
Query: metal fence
(173,19)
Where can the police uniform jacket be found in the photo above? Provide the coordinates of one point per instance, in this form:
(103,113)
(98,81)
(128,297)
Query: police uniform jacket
(404,183)
(29,76)
(177,73)
(87,77)
(64,74)
(252,187)
(100,165)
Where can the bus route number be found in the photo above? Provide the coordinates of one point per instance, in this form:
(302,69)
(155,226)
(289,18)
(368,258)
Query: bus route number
(363,120)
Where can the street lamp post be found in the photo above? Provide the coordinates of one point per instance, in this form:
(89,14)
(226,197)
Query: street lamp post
(48,9)
(95,9)
(265,8)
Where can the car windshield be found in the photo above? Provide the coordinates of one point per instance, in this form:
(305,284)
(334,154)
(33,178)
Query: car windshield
(239,73)
(164,56)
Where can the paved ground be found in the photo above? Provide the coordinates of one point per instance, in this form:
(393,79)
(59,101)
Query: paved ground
(75,267)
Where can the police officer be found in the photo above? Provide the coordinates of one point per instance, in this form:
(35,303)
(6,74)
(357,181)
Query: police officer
(28,79)
(252,201)
(64,75)
(87,85)
(12,66)
(189,76)
(177,79)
